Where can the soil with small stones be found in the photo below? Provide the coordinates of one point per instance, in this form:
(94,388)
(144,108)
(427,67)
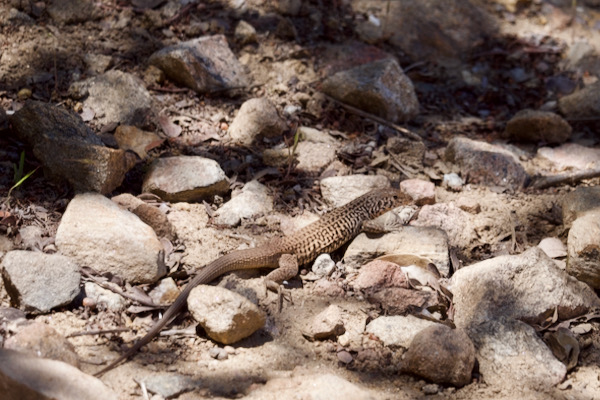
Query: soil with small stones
(448,108)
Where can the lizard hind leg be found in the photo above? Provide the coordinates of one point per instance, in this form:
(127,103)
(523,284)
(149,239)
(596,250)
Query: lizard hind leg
(288,268)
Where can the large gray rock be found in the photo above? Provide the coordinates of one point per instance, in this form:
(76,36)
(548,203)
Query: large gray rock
(339,190)
(115,97)
(398,330)
(379,88)
(185,178)
(38,282)
(204,64)
(97,233)
(25,377)
(528,287)
(69,150)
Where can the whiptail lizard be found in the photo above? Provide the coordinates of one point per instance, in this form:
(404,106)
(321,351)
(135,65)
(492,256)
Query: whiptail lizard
(285,254)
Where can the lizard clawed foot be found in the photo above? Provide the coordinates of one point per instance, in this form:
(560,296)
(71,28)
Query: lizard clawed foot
(282,293)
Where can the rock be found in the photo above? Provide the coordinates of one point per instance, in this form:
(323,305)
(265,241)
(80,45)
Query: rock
(253,200)
(31,237)
(244,33)
(68,149)
(165,292)
(95,232)
(583,104)
(185,178)
(553,247)
(97,63)
(571,155)
(289,7)
(227,317)
(205,64)
(398,330)
(422,192)
(400,301)
(583,246)
(326,325)
(286,30)
(538,126)
(528,287)
(325,287)
(486,164)
(313,387)
(115,97)
(41,340)
(441,355)
(136,140)
(38,282)
(378,274)
(112,301)
(339,190)
(257,118)
(432,244)
(323,265)
(578,202)
(170,385)
(149,215)
(453,182)
(440,32)
(315,151)
(27,377)
(511,351)
(65,12)
(379,88)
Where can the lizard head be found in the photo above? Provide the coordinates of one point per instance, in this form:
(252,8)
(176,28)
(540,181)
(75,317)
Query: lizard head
(379,201)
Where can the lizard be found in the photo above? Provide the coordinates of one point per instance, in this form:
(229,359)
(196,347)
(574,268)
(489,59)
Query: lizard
(284,254)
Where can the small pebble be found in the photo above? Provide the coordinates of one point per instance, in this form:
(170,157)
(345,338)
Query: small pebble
(218,353)
(431,388)
(230,350)
(344,357)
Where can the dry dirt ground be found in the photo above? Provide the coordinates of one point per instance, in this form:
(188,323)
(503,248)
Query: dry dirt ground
(280,349)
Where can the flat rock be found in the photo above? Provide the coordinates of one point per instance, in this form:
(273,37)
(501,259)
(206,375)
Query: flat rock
(257,118)
(28,377)
(253,200)
(578,202)
(510,352)
(227,317)
(379,88)
(115,97)
(430,243)
(170,385)
(486,164)
(69,150)
(553,247)
(538,126)
(378,274)
(132,138)
(401,301)
(442,355)
(205,64)
(41,340)
(583,104)
(398,330)
(185,178)
(583,245)
(326,325)
(339,190)
(571,155)
(38,282)
(95,232)
(528,287)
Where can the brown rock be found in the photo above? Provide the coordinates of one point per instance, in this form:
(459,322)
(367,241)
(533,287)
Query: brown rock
(582,104)
(442,355)
(41,340)
(400,301)
(583,246)
(486,164)
(422,192)
(256,118)
(578,202)
(538,126)
(380,274)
